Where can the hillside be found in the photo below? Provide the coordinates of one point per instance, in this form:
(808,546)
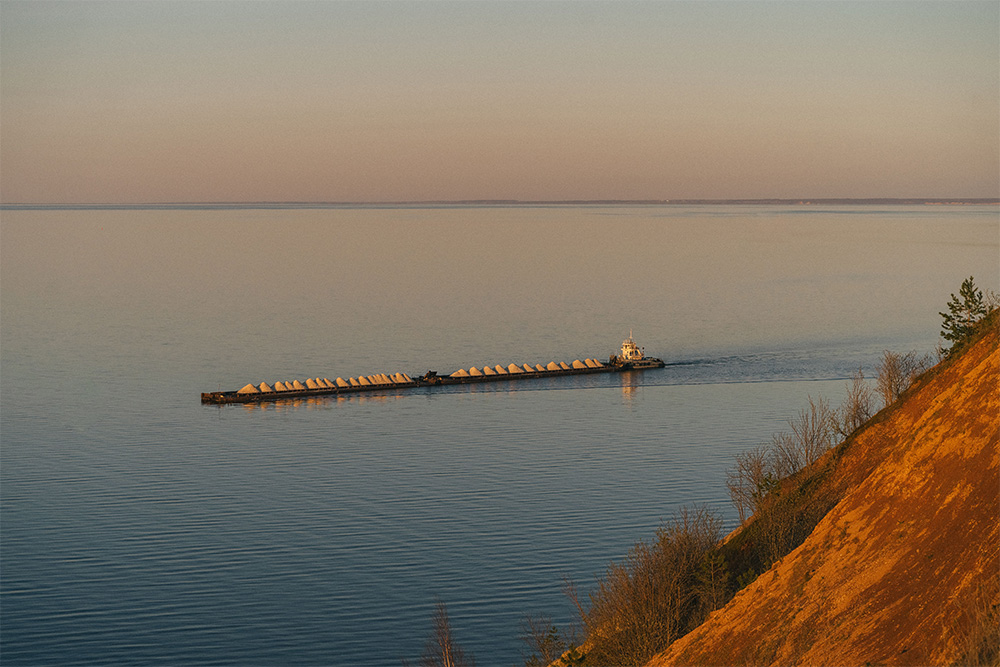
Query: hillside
(889,575)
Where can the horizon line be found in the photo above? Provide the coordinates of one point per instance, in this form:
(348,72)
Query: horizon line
(797,201)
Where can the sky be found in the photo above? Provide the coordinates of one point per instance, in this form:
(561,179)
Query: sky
(228,101)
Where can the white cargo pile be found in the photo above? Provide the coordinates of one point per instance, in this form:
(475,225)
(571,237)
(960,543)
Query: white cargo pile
(383,379)
(318,384)
(514,369)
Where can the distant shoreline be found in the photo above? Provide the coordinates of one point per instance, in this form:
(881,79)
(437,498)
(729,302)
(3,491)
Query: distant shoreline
(500,203)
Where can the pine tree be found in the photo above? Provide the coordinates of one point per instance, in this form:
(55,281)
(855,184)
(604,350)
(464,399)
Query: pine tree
(964,312)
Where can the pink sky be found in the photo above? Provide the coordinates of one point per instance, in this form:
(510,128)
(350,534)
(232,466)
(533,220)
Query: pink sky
(339,101)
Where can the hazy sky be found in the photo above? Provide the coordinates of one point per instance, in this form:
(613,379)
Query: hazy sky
(386,101)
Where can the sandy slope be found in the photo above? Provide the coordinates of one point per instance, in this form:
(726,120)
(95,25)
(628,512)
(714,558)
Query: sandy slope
(884,575)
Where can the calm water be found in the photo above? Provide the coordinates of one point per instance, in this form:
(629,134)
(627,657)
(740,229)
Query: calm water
(140,526)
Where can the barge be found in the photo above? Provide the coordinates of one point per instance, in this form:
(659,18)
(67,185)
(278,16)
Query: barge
(632,358)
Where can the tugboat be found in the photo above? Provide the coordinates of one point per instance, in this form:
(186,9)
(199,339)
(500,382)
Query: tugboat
(633,357)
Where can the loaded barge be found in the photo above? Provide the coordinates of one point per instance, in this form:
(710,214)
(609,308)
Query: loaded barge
(632,358)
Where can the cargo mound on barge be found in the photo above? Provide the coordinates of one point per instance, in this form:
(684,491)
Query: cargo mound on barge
(632,358)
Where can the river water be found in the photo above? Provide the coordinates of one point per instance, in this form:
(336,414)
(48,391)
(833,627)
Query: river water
(139,526)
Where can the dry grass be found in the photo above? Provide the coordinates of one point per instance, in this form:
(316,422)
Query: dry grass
(977,628)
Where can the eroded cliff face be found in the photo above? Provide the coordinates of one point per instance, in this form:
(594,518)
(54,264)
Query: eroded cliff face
(885,577)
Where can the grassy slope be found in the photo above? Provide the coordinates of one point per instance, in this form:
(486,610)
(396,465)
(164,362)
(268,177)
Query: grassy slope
(911,533)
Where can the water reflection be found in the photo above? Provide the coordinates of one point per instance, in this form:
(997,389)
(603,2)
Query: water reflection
(630,381)
(318,402)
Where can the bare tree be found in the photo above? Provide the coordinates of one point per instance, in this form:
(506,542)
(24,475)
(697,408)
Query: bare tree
(858,406)
(992,301)
(748,479)
(813,430)
(441,649)
(896,372)
(811,436)
(786,456)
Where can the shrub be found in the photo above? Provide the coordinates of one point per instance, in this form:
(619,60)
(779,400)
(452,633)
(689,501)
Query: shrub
(656,594)
(774,525)
(543,640)
(712,585)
